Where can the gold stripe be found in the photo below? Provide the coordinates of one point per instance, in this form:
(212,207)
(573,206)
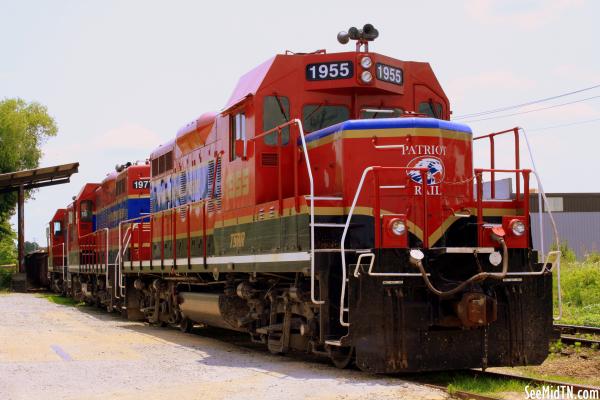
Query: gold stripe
(390,133)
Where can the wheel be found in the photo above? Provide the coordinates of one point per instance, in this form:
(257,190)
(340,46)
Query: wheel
(186,325)
(342,357)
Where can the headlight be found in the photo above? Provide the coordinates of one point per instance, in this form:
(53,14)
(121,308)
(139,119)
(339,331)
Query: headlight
(366,77)
(366,62)
(398,228)
(517,227)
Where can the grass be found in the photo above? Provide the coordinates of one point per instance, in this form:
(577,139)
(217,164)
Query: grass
(467,382)
(580,287)
(64,301)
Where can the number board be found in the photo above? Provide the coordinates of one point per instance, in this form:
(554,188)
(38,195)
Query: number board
(141,184)
(329,70)
(389,74)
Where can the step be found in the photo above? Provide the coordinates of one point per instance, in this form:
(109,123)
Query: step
(324,198)
(337,343)
(328,225)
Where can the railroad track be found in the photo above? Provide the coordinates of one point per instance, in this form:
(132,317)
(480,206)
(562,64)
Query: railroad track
(569,334)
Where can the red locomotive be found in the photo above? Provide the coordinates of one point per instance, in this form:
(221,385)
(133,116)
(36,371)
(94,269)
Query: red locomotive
(330,207)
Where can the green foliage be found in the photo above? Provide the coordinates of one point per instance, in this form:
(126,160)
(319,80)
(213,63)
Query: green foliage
(592,257)
(30,247)
(566,253)
(24,127)
(580,284)
(8,250)
(6,277)
(63,301)
(467,382)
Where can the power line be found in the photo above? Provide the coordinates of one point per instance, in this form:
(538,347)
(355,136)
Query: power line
(564,125)
(534,110)
(507,108)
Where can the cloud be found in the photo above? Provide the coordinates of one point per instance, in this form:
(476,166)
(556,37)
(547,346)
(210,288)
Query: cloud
(127,137)
(527,15)
(576,72)
(487,81)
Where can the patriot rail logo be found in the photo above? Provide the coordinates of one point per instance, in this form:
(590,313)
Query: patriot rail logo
(435,174)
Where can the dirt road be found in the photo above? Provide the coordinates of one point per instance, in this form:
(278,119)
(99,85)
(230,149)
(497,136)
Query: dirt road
(51,351)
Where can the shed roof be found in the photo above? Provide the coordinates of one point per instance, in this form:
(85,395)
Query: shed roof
(39,177)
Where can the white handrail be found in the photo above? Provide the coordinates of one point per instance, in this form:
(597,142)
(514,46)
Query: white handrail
(343,244)
(312,213)
(552,221)
(278,128)
(62,261)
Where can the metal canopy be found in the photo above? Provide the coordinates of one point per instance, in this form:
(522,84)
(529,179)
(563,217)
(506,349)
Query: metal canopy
(39,177)
(30,179)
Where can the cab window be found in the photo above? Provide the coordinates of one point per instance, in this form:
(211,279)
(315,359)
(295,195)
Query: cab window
(85,211)
(316,116)
(276,111)
(376,113)
(237,131)
(433,110)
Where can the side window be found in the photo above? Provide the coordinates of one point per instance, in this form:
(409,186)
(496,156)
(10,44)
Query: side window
(276,111)
(85,211)
(57,229)
(155,167)
(375,113)
(433,110)
(237,131)
(318,116)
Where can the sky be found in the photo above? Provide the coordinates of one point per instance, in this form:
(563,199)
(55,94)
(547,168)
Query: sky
(121,77)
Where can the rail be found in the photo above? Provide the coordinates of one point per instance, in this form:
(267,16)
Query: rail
(517,131)
(302,138)
(479,198)
(491,137)
(377,221)
(93,255)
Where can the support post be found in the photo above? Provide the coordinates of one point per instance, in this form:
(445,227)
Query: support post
(21,229)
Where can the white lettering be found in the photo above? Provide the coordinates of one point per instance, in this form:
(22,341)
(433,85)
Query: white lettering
(423,149)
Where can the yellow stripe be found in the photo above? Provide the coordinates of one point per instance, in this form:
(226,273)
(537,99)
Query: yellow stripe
(391,133)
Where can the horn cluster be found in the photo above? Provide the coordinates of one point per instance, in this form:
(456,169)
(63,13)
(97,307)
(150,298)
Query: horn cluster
(368,33)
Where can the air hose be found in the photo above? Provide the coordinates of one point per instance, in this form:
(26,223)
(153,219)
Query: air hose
(475,278)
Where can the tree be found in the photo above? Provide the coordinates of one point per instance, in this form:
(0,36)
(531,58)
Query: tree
(30,247)
(24,127)
(8,251)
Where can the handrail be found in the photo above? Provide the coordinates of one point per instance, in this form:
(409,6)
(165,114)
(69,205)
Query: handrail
(491,137)
(478,176)
(376,218)
(541,195)
(278,129)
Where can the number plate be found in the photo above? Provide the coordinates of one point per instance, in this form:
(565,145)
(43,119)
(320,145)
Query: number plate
(329,70)
(389,74)
(141,184)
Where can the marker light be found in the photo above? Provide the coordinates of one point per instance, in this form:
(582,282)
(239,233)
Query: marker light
(517,227)
(398,227)
(366,77)
(366,62)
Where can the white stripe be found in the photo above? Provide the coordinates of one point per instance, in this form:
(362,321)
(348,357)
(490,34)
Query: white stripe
(260,258)
(249,259)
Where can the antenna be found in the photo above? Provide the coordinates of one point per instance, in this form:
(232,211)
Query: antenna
(362,36)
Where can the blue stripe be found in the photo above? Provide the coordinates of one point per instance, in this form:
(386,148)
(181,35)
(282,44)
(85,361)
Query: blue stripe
(389,123)
(61,353)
